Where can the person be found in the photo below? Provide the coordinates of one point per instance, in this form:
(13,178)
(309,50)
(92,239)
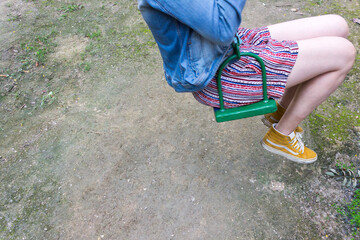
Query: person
(306,60)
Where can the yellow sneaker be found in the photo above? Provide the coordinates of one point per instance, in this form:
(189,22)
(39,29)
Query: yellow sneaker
(289,146)
(271,118)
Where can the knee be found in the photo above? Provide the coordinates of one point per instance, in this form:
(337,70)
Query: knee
(349,54)
(341,52)
(340,25)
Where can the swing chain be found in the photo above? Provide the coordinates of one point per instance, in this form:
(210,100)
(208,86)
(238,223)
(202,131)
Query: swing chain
(236,45)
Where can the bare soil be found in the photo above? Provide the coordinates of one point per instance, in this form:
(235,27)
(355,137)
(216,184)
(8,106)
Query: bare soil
(95,145)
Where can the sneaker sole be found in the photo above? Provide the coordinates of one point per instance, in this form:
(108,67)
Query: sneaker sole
(288,156)
(269,124)
(266,122)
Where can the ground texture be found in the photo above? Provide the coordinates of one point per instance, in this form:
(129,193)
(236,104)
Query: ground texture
(95,145)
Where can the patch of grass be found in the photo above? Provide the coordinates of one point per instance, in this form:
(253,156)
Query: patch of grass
(111,31)
(62,17)
(346,166)
(86,66)
(66,10)
(350,212)
(354,212)
(332,122)
(14,18)
(71,8)
(94,35)
(48,99)
(34,202)
(90,49)
(37,49)
(339,209)
(135,43)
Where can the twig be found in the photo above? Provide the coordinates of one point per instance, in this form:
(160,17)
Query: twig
(2,159)
(356,20)
(11,88)
(285,5)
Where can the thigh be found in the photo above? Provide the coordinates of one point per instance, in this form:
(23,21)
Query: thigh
(312,27)
(321,55)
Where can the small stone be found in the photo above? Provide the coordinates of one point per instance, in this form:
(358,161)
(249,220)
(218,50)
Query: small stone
(277,186)
(294,9)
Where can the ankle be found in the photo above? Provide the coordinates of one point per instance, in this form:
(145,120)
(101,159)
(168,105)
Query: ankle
(281,130)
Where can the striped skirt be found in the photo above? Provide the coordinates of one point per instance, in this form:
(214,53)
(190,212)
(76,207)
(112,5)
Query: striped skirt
(242,80)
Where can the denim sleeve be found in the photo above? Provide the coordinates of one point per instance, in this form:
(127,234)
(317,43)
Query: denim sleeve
(215,20)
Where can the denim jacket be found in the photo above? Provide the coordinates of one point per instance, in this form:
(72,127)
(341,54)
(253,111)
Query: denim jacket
(193,37)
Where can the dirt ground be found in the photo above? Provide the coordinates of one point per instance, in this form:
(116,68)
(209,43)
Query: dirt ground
(95,145)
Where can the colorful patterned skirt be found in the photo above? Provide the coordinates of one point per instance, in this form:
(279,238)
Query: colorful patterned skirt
(242,80)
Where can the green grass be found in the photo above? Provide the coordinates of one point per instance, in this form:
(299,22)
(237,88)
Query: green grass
(351,213)
(71,8)
(48,99)
(331,123)
(94,35)
(85,66)
(14,18)
(37,49)
(346,166)
(68,9)
(354,212)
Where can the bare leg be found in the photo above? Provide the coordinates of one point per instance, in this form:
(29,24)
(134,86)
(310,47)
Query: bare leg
(312,27)
(288,96)
(321,26)
(321,67)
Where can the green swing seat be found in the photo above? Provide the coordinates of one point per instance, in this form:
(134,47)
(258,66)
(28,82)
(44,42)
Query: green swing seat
(262,107)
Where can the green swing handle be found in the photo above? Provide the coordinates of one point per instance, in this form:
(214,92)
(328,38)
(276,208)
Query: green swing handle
(236,56)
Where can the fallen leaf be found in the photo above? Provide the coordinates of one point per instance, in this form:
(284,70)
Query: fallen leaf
(356,20)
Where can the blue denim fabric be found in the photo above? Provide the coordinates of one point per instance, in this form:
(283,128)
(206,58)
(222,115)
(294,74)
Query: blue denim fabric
(193,37)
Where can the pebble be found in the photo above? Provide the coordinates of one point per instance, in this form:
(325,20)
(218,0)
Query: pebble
(277,186)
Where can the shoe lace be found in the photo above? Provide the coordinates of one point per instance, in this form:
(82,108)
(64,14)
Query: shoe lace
(297,143)
(298,135)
